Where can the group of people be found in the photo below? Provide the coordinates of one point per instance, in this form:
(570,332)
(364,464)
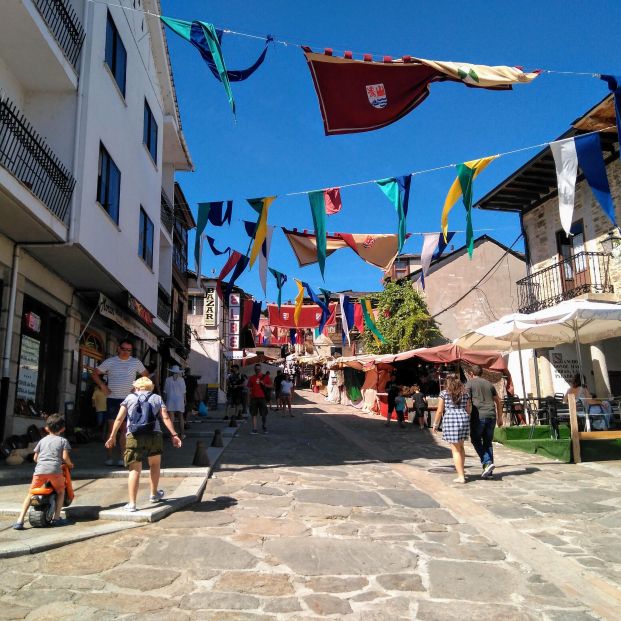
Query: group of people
(134,412)
(255,394)
(397,403)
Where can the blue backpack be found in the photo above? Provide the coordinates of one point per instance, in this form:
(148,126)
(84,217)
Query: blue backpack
(144,417)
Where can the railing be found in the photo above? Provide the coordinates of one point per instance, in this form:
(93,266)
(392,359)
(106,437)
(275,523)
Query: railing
(163,306)
(584,272)
(26,156)
(187,334)
(64,24)
(180,258)
(167,214)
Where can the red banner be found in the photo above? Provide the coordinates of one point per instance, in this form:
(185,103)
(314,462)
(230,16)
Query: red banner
(310,316)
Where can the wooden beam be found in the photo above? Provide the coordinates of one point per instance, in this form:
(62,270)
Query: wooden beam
(573,426)
(600,435)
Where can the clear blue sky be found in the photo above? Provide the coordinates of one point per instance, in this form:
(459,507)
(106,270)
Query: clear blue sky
(278,144)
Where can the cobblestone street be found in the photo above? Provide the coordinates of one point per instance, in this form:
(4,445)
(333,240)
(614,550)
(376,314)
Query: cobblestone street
(333,515)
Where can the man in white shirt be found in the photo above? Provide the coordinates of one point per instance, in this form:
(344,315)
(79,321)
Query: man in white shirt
(121,371)
(174,391)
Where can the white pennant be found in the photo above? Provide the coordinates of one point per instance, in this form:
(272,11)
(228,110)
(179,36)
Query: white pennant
(345,326)
(566,162)
(430,245)
(264,257)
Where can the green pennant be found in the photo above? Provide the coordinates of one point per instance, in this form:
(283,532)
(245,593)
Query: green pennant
(318,211)
(465,174)
(368,320)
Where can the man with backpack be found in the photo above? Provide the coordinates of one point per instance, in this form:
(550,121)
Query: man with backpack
(144,437)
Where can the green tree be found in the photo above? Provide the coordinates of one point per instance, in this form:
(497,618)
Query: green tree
(403,320)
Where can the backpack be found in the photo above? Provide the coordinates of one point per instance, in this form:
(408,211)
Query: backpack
(143,418)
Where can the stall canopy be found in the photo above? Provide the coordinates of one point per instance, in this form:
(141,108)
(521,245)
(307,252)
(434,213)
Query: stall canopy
(442,354)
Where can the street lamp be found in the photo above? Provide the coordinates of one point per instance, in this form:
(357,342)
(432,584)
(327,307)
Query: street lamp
(611,244)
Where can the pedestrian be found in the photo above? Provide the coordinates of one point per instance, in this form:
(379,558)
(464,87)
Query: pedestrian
(99,401)
(454,414)
(420,406)
(258,403)
(143,410)
(286,394)
(49,455)
(121,371)
(234,386)
(245,393)
(174,393)
(400,406)
(277,382)
(392,388)
(486,414)
(268,385)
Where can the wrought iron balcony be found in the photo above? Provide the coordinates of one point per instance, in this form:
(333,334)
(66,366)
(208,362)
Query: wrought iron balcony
(27,156)
(583,273)
(163,306)
(167,214)
(63,23)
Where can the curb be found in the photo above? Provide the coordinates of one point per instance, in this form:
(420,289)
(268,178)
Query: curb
(114,520)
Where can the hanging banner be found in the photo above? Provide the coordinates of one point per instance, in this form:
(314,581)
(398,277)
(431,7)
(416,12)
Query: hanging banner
(310,316)
(209,308)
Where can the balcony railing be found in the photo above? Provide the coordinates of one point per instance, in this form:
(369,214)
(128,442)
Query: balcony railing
(163,306)
(180,258)
(583,273)
(167,214)
(64,24)
(27,156)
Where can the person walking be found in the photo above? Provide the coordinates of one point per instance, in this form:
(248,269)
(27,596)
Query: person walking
(174,393)
(400,406)
(454,414)
(486,414)
(121,371)
(258,403)
(393,391)
(280,376)
(286,394)
(268,386)
(143,410)
(420,407)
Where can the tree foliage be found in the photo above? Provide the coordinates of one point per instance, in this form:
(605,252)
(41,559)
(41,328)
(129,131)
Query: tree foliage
(402,318)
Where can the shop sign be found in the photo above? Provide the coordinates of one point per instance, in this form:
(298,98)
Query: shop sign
(109,309)
(233,341)
(209,316)
(28,369)
(33,322)
(139,309)
(234,300)
(238,354)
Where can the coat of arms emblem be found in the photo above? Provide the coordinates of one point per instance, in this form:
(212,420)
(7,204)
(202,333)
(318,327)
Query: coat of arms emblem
(377,95)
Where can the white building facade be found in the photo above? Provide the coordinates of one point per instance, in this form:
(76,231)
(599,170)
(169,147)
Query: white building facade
(90,140)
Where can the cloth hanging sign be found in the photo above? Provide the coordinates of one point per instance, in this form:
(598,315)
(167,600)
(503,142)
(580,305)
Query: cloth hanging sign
(362,95)
(310,315)
(347,316)
(433,247)
(566,163)
(281,279)
(380,249)
(325,314)
(358,317)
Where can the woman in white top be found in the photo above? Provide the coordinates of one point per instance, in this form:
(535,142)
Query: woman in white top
(174,391)
(286,392)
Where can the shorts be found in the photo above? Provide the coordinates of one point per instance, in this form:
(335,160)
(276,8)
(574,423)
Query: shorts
(113,408)
(101,417)
(57,481)
(143,445)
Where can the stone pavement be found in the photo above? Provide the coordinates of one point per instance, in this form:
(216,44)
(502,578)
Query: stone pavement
(331,515)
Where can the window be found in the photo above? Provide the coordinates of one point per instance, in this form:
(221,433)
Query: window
(195,305)
(108,184)
(116,56)
(149,132)
(145,241)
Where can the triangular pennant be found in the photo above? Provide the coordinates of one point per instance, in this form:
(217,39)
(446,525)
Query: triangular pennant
(212,244)
(281,279)
(397,189)
(367,312)
(299,300)
(261,206)
(566,163)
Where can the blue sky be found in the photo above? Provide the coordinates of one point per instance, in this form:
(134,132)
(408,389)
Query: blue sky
(277,145)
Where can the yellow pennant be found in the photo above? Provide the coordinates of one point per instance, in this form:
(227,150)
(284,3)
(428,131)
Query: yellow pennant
(261,231)
(299,299)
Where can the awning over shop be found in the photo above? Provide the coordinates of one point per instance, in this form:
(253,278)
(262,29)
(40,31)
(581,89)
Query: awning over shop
(109,309)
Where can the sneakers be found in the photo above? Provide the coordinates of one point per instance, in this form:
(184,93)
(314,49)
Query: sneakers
(121,463)
(109,462)
(157,496)
(488,471)
(18,526)
(59,522)
(130,508)
(254,432)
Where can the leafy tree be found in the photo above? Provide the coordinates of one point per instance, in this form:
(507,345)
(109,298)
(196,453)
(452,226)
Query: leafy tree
(403,320)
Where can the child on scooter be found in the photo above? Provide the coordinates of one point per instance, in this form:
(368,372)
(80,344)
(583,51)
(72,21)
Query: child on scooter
(49,455)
